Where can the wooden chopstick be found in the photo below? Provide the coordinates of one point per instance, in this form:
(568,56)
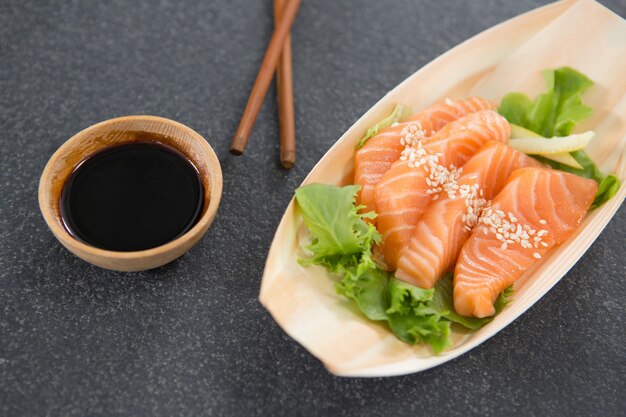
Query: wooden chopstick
(264,78)
(284,86)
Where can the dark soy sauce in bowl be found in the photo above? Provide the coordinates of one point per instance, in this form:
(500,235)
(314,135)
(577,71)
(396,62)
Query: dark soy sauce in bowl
(132,197)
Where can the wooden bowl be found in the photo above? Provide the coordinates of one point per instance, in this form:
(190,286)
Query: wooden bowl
(126,130)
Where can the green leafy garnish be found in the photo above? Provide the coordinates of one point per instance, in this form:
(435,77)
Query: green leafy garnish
(369,292)
(442,302)
(555,113)
(607,188)
(412,318)
(342,242)
(398,114)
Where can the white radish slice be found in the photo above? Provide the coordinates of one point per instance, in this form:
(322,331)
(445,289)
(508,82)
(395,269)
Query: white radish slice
(544,146)
(564,158)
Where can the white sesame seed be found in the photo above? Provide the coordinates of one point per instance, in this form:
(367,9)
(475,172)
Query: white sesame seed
(537,255)
(542,221)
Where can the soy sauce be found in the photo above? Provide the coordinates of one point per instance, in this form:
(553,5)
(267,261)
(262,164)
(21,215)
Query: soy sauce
(132,197)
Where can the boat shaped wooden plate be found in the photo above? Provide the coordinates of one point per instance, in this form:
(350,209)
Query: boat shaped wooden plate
(507,57)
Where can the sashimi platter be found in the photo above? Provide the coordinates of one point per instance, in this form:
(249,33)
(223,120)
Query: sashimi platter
(459,199)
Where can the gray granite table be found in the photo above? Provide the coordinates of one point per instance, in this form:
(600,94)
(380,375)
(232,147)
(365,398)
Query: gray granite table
(191,338)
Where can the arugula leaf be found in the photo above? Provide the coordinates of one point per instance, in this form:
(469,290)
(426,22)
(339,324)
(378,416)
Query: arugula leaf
(398,114)
(555,113)
(342,241)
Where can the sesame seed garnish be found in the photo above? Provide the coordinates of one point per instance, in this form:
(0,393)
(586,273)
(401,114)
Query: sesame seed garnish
(412,134)
(440,178)
(449,102)
(507,229)
(542,221)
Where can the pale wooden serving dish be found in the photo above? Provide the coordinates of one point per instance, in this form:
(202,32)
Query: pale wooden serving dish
(124,130)
(507,57)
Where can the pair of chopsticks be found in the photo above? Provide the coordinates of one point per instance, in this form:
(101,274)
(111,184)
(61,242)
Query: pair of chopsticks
(277,58)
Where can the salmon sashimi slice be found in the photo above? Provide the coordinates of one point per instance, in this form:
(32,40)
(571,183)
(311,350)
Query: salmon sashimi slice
(379,152)
(448,221)
(423,171)
(537,209)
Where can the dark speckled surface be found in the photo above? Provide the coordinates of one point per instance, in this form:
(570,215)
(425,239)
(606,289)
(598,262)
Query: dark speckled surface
(191,338)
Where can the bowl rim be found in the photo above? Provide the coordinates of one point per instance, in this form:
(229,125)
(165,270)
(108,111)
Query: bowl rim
(74,245)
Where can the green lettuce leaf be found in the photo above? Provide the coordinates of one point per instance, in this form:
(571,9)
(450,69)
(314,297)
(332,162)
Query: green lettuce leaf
(607,188)
(369,292)
(442,303)
(413,320)
(504,299)
(555,113)
(418,315)
(398,114)
(342,240)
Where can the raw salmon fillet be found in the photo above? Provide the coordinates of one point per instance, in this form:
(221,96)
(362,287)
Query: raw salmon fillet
(446,225)
(407,188)
(537,209)
(382,150)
